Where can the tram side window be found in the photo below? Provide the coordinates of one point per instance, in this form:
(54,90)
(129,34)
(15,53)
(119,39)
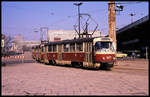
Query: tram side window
(42,49)
(50,48)
(66,47)
(36,50)
(79,47)
(72,47)
(87,50)
(33,50)
(54,48)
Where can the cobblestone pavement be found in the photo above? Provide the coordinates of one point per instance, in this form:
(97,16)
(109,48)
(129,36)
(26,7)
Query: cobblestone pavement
(38,79)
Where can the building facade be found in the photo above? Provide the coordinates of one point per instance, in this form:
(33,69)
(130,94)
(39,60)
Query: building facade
(55,35)
(2,43)
(20,44)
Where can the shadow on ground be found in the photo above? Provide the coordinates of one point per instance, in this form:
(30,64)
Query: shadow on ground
(77,67)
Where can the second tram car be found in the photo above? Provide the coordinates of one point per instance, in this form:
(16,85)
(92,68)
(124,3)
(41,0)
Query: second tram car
(96,52)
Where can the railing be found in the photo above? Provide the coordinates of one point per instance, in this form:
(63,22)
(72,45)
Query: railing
(13,58)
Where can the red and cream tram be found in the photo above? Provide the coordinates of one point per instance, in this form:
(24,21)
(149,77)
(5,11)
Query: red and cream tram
(86,52)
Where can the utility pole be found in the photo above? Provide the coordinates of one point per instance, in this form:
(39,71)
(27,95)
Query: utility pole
(46,33)
(41,34)
(112,22)
(78,4)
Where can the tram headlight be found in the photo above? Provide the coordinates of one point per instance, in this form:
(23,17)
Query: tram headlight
(103,58)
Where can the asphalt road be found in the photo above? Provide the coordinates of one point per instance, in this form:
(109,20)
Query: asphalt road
(129,77)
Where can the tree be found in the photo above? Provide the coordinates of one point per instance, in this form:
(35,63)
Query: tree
(8,43)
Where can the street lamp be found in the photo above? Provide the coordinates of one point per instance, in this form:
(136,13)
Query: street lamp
(132,14)
(120,7)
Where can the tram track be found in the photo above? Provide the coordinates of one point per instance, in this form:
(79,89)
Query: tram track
(126,68)
(132,71)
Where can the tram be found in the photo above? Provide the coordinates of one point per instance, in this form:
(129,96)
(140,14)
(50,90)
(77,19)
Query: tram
(95,52)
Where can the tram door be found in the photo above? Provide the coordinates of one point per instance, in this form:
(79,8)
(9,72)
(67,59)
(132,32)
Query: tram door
(39,53)
(42,53)
(45,54)
(60,52)
(88,50)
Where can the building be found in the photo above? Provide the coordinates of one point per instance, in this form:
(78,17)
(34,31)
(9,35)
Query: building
(20,44)
(2,43)
(31,43)
(17,43)
(57,35)
(14,46)
(18,38)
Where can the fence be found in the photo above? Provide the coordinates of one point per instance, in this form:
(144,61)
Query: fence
(12,58)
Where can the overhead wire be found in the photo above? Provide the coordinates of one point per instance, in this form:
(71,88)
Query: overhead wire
(95,11)
(61,20)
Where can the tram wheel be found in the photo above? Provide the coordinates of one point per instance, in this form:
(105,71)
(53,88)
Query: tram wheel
(73,64)
(52,62)
(108,68)
(81,64)
(77,64)
(105,67)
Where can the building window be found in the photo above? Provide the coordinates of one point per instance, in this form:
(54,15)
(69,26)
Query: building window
(79,46)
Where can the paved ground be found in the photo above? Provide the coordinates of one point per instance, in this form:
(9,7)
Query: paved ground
(130,77)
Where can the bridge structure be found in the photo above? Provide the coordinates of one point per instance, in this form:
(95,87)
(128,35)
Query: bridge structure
(134,36)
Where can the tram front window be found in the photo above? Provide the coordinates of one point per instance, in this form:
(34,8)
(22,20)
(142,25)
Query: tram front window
(104,46)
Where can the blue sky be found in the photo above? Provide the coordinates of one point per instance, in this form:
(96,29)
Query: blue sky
(26,17)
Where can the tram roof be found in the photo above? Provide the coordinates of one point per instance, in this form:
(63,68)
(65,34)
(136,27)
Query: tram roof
(71,41)
(74,40)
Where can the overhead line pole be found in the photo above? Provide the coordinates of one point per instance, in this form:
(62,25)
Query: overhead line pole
(47,34)
(112,22)
(78,4)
